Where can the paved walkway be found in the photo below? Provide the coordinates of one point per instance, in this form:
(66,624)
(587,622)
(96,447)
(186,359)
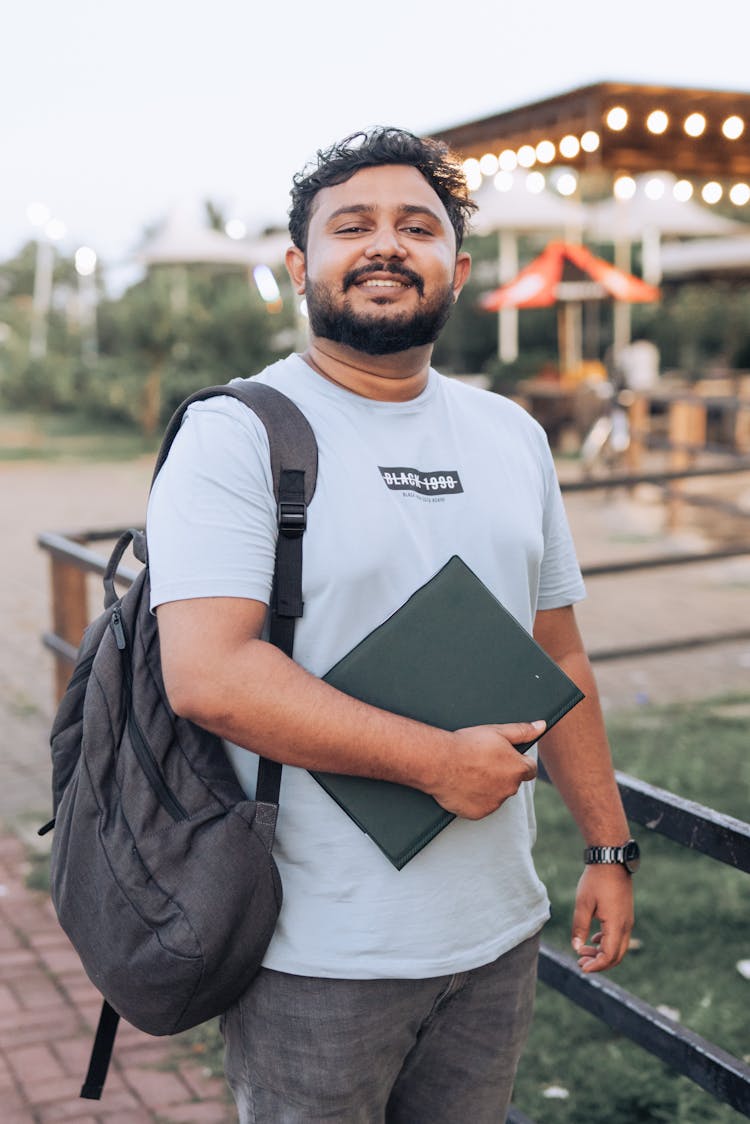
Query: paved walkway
(48,1010)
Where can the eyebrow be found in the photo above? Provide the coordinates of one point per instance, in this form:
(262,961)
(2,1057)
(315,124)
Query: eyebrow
(369,209)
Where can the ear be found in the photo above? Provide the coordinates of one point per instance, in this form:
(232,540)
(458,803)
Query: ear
(295,264)
(461,273)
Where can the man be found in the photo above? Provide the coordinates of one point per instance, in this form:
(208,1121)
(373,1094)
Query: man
(402,996)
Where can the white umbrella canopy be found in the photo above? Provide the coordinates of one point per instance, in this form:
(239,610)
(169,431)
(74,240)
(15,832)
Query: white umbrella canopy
(707,258)
(183,240)
(614,219)
(521,210)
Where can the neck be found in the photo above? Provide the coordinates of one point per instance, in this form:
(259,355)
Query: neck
(385,378)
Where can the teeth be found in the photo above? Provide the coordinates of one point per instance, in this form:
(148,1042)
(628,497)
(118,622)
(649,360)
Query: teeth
(384,284)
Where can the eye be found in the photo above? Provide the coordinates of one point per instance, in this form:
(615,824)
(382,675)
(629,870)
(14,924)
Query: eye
(350,228)
(417,228)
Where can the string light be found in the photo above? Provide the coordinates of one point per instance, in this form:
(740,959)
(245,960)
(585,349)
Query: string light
(712,192)
(508,160)
(657,122)
(526,156)
(535,183)
(590,141)
(617,118)
(740,194)
(624,187)
(733,127)
(489,164)
(545,152)
(503,181)
(654,188)
(570,146)
(567,183)
(472,173)
(682,191)
(695,124)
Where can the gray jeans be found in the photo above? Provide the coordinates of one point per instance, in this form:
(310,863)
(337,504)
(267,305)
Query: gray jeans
(302,1050)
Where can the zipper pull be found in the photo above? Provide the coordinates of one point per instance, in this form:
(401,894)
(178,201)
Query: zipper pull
(119,631)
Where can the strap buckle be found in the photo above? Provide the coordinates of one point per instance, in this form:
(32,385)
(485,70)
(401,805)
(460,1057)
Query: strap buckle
(292,518)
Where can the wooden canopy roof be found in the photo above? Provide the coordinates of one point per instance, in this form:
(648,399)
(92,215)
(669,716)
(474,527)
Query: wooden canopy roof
(631,149)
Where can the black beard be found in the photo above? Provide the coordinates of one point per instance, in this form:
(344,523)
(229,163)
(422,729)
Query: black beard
(373,334)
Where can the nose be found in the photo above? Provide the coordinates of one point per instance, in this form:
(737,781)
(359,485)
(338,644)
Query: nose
(386,244)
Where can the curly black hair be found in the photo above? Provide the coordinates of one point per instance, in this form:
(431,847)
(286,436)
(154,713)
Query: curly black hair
(382,145)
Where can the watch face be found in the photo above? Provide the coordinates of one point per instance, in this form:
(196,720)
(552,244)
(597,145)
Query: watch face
(631,856)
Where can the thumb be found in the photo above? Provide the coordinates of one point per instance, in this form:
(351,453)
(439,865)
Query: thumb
(517,733)
(583,915)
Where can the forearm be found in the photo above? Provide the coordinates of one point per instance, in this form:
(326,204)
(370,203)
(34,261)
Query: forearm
(260,699)
(577,758)
(221,675)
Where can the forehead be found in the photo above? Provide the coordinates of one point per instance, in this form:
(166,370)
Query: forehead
(389,187)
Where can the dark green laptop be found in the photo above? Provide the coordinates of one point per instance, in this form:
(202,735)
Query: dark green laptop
(451,656)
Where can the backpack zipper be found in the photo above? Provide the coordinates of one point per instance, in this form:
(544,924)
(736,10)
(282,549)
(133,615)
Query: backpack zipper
(143,750)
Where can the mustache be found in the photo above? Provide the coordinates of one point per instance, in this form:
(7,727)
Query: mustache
(356,275)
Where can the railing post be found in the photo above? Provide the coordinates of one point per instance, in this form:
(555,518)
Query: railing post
(69,613)
(638,426)
(687,434)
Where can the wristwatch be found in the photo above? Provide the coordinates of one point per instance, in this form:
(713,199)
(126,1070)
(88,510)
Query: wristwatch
(628,855)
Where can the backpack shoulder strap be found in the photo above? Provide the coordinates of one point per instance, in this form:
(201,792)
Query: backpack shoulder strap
(294,469)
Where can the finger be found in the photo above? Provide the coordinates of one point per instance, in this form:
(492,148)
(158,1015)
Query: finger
(519,732)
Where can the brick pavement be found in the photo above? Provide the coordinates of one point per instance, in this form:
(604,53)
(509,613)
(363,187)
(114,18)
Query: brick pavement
(48,1012)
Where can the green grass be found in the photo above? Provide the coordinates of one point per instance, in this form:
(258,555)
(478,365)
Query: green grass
(692,922)
(28,436)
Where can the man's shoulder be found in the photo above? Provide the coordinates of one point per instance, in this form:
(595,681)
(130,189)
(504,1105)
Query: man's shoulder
(474,396)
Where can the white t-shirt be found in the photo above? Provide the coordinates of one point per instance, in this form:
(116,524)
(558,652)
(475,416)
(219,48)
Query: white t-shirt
(401,487)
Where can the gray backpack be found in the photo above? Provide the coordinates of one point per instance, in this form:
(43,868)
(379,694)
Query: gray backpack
(162,872)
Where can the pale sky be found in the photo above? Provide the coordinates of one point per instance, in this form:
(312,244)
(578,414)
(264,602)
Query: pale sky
(113,112)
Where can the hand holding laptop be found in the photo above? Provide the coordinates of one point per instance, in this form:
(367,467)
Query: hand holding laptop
(484,768)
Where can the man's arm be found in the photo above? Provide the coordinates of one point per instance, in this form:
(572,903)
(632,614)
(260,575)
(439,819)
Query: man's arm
(220,674)
(576,756)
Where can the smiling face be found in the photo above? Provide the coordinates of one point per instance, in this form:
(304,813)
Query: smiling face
(380,272)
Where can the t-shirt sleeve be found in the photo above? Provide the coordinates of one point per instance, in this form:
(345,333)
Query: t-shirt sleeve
(560,580)
(211,521)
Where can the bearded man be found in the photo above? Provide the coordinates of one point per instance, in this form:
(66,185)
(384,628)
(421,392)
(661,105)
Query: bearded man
(390,995)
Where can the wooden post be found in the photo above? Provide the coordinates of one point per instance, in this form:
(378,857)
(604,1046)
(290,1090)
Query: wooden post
(638,408)
(69,613)
(687,434)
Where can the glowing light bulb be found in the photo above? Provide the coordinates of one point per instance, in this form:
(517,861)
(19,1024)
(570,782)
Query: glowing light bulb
(567,183)
(508,160)
(712,192)
(535,183)
(624,187)
(526,156)
(590,141)
(473,173)
(266,284)
(488,165)
(545,152)
(570,146)
(617,118)
(682,191)
(654,188)
(235,228)
(85,261)
(740,194)
(503,181)
(733,127)
(657,122)
(695,124)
